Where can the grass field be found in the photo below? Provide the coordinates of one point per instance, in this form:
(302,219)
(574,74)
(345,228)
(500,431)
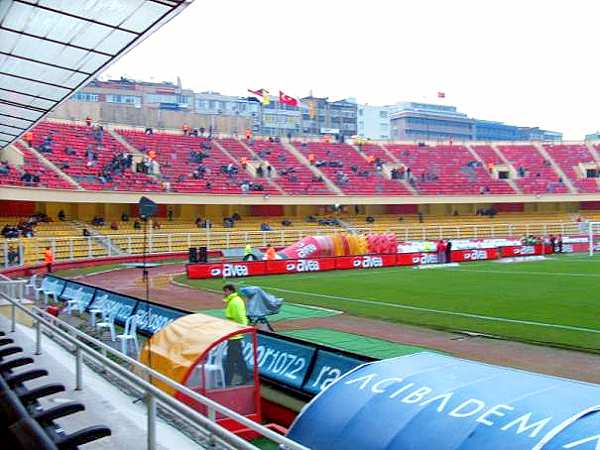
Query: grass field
(556,301)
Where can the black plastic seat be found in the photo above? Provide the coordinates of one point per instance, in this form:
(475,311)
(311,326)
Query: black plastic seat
(27,434)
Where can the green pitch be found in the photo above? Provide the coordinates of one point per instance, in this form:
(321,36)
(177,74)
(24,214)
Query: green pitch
(556,301)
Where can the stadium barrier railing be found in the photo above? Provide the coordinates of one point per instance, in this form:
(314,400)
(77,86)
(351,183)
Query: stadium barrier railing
(16,252)
(85,346)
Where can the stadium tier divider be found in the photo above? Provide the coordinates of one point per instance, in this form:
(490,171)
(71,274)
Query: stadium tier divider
(301,367)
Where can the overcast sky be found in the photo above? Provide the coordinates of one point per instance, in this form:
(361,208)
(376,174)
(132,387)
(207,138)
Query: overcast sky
(526,62)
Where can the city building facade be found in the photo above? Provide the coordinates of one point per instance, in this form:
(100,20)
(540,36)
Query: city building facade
(313,116)
(425,121)
(373,122)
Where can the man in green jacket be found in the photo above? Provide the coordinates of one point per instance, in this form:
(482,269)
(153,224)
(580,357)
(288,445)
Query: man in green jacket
(235,310)
(248,253)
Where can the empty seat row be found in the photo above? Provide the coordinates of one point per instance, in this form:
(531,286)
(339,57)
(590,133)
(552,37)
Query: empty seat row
(28,425)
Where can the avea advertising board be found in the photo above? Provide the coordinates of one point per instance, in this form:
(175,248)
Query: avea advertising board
(282,266)
(227,270)
(365,262)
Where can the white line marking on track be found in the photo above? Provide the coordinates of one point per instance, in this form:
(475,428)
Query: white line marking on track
(436,311)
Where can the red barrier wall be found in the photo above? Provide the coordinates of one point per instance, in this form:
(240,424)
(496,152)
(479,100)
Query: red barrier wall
(13,208)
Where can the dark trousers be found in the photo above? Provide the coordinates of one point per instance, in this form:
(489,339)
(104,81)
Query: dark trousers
(49,267)
(235,364)
(250,257)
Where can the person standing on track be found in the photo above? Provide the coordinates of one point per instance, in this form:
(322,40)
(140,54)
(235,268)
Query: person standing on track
(270,253)
(441,252)
(248,253)
(448,251)
(235,310)
(48,259)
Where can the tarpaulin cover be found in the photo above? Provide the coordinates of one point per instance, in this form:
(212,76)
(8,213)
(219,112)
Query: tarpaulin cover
(433,402)
(260,303)
(177,347)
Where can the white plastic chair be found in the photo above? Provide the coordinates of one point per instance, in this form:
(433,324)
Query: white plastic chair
(32,283)
(129,334)
(98,310)
(214,375)
(76,303)
(108,321)
(48,287)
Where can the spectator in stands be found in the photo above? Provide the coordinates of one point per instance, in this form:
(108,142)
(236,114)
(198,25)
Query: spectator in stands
(198,222)
(98,134)
(61,215)
(86,232)
(228,222)
(46,146)
(4,168)
(70,151)
(29,138)
(245,187)
(186,129)
(137,225)
(312,159)
(244,162)
(124,217)
(149,131)
(270,253)
(114,226)
(260,172)
(98,221)
(155,225)
(269,171)
(370,219)
(265,227)
(88,121)
(170,214)
(286,222)
(235,310)
(48,259)
(420,217)
(12,255)
(208,185)
(27,178)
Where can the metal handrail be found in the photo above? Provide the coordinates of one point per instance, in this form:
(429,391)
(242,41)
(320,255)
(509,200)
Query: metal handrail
(152,392)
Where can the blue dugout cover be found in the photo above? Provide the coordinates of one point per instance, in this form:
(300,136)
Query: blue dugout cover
(428,401)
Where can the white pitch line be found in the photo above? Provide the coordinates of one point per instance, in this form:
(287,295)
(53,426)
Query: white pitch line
(437,311)
(526,272)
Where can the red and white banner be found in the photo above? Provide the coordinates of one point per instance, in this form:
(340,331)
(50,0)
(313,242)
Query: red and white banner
(364,262)
(227,270)
(474,255)
(280,266)
(416,259)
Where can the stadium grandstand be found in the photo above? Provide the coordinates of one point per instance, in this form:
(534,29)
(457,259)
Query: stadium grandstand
(234,280)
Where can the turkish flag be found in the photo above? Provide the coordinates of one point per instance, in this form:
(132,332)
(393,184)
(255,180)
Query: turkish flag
(287,100)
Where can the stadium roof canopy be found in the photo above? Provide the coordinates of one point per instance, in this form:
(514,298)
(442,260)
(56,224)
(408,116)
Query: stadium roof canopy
(51,48)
